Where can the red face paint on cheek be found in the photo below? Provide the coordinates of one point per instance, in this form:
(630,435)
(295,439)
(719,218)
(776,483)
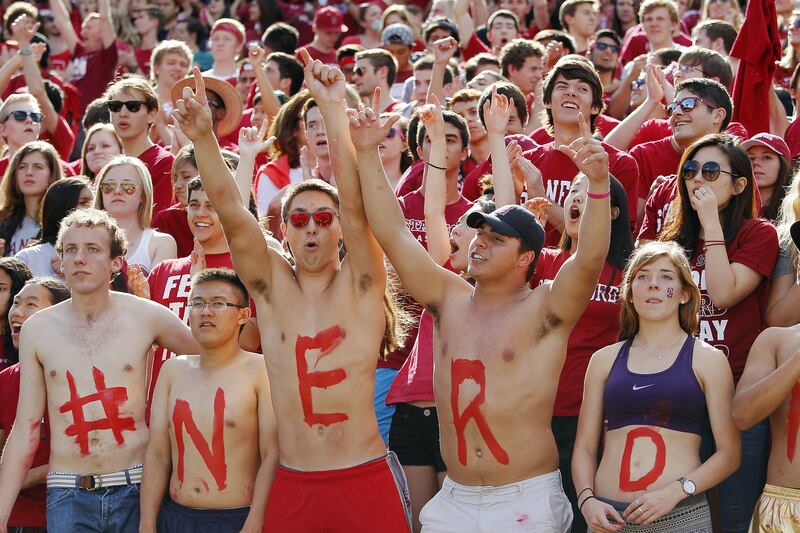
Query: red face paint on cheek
(213,457)
(325,341)
(794,423)
(627,484)
(111,399)
(461,370)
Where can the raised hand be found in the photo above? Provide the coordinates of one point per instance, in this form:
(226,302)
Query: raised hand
(655,91)
(197,259)
(38,50)
(366,130)
(553,52)
(539,206)
(306,164)
(252,142)
(137,282)
(704,202)
(256,54)
(23,29)
(525,170)
(327,84)
(444,49)
(496,113)
(587,153)
(430,115)
(191,113)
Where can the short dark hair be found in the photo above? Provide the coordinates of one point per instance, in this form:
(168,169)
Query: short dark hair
(710,90)
(478,60)
(573,69)
(305,186)
(281,37)
(379,58)
(195,184)
(710,62)
(510,91)
(515,53)
(224,275)
(608,34)
(58,289)
(718,29)
(438,22)
(558,36)
(96,112)
(569,8)
(426,63)
(452,118)
(348,50)
(666,56)
(289,67)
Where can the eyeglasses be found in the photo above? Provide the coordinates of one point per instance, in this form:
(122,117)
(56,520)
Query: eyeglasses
(322,218)
(22,116)
(710,170)
(115,106)
(605,46)
(686,69)
(687,104)
(214,305)
(128,187)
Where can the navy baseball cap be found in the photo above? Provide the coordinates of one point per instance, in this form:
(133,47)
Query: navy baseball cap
(512,221)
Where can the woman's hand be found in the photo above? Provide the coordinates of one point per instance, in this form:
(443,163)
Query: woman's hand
(651,506)
(601,517)
(704,201)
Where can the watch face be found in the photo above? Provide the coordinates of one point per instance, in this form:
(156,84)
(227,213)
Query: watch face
(689,487)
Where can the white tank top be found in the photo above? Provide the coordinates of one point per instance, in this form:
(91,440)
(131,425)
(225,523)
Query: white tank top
(142,254)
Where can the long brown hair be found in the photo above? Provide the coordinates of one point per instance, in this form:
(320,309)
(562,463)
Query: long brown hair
(284,128)
(683,224)
(688,313)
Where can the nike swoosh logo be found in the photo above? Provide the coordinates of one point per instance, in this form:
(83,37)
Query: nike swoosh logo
(642,387)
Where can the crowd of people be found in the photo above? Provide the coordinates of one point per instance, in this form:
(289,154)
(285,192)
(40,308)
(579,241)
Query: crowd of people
(446,266)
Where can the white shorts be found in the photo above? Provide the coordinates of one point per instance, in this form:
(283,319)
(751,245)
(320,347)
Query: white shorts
(536,504)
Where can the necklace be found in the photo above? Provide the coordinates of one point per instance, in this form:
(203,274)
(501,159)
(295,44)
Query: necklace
(661,350)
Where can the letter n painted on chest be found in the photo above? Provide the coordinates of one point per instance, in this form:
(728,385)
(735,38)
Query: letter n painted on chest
(213,457)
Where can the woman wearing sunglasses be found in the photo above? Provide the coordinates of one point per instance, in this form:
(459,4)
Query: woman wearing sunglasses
(124,190)
(653,393)
(31,171)
(394,151)
(732,253)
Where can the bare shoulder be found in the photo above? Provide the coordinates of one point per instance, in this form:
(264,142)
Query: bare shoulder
(603,359)
(707,358)
(162,238)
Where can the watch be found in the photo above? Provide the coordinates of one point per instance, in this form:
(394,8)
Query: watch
(26,51)
(688,486)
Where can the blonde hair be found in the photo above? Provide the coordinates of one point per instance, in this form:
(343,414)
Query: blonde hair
(16,99)
(737,14)
(788,213)
(100,126)
(688,313)
(169,46)
(91,218)
(146,203)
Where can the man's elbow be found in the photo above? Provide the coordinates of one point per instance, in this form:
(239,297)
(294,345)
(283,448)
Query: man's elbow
(742,415)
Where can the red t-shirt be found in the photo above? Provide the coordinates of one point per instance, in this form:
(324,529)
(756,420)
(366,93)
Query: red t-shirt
(413,206)
(603,125)
(414,381)
(411,180)
(558,171)
(656,129)
(159,162)
(3,166)
(173,221)
(60,61)
(656,210)
(30,508)
(474,47)
(63,140)
(327,58)
(597,327)
(143,60)
(636,44)
(792,137)
(733,330)
(92,72)
(657,158)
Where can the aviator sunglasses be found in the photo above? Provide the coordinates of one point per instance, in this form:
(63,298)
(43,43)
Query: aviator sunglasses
(322,218)
(108,187)
(687,104)
(710,170)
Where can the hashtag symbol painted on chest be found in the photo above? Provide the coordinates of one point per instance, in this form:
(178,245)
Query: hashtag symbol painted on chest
(111,399)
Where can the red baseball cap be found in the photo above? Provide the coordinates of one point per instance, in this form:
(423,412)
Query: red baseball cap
(329,19)
(773,142)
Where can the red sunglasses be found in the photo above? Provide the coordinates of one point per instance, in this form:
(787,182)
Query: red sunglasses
(322,218)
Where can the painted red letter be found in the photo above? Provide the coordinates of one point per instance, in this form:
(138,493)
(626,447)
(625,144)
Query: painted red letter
(461,370)
(214,458)
(325,341)
(625,482)
(794,423)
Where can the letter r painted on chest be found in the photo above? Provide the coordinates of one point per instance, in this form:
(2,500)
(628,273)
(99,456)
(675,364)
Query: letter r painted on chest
(325,341)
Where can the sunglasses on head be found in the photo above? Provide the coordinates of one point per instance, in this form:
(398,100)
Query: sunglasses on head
(128,187)
(710,170)
(394,131)
(322,218)
(605,46)
(115,106)
(22,116)
(687,104)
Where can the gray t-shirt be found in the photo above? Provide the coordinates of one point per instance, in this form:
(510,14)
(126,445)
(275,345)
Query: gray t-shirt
(38,259)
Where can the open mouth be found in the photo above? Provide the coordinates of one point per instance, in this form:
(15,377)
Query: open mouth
(569,105)
(574,213)
(477,257)
(16,328)
(202,225)
(311,246)
(453,247)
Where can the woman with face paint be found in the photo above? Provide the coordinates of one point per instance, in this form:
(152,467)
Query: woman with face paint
(654,391)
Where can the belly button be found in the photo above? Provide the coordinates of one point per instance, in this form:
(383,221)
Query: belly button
(479,453)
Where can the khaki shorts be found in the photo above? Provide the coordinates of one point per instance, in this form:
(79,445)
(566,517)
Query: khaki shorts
(778,509)
(537,504)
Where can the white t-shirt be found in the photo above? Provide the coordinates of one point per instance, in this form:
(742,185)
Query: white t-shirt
(27,231)
(267,190)
(38,259)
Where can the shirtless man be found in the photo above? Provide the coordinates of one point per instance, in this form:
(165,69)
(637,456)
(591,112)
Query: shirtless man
(204,405)
(89,367)
(334,471)
(770,387)
(499,346)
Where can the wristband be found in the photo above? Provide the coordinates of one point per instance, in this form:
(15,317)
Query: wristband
(602,196)
(580,507)
(434,166)
(25,51)
(584,490)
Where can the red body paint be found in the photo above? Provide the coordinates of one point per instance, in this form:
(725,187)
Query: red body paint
(214,458)
(794,423)
(111,399)
(461,370)
(325,341)
(630,485)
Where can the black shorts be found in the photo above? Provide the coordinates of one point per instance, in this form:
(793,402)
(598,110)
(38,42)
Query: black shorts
(414,436)
(175,518)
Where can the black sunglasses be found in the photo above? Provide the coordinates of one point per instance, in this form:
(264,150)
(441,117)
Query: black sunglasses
(115,106)
(22,116)
(605,46)
(710,170)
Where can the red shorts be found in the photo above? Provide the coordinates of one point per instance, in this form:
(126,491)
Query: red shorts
(365,498)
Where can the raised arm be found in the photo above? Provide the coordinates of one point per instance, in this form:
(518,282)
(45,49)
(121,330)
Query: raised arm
(8,70)
(443,50)
(436,232)
(425,280)
(328,88)
(256,57)
(107,31)
(254,263)
(575,282)
(24,437)
(464,22)
(64,24)
(251,143)
(495,113)
(622,134)
(23,29)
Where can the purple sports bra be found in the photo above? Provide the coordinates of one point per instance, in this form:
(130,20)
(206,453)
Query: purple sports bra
(670,399)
